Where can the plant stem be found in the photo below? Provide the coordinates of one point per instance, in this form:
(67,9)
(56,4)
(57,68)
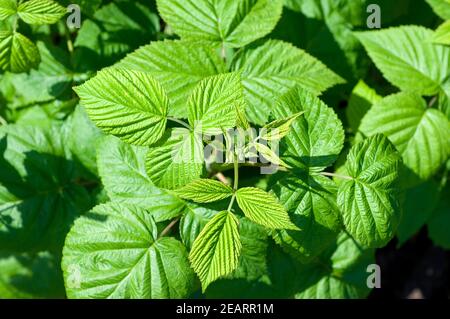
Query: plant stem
(69,42)
(180,122)
(169,227)
(235,182)
(336,175)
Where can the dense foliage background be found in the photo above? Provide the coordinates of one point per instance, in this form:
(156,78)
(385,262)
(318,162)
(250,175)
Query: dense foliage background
(59,161)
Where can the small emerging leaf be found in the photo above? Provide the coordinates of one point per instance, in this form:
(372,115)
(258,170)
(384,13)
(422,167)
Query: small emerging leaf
(278,129)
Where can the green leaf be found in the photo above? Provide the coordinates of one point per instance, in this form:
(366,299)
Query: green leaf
(80,138)
(115,29)
(31,276)
(194,219)
(177,160)
(360,102)
(114,252)
(122,170)
(316,138)
(419,133)
(278,129)
(311,204)
(441,8)
(420,202)
(128,104)
(263,208)
(252,265)
(231,23)
(7,8)
(442,34)
(406,57)
(438,224)
(53,79)
(216,250)
(369,201)
(271,69)
(205,191)
(37,204)
(178,65)
(346,277)
(213,103)
(17,53)
(41,11)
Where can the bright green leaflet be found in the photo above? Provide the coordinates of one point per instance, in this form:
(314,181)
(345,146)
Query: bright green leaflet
(263,208)
(195,217)
(316,138)
(271,69)
(442,34)
(177,160)
(406,57)
(205,191)
(232,23)
(178,65)
(368,201)
(128,104)
(17,53)
(122,171)
(213,103)
(419,133)
(7,8)
(40,11)
(441,8)
(216,250)
(114,252)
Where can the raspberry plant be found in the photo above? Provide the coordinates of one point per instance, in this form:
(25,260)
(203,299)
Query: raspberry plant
(207,155)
